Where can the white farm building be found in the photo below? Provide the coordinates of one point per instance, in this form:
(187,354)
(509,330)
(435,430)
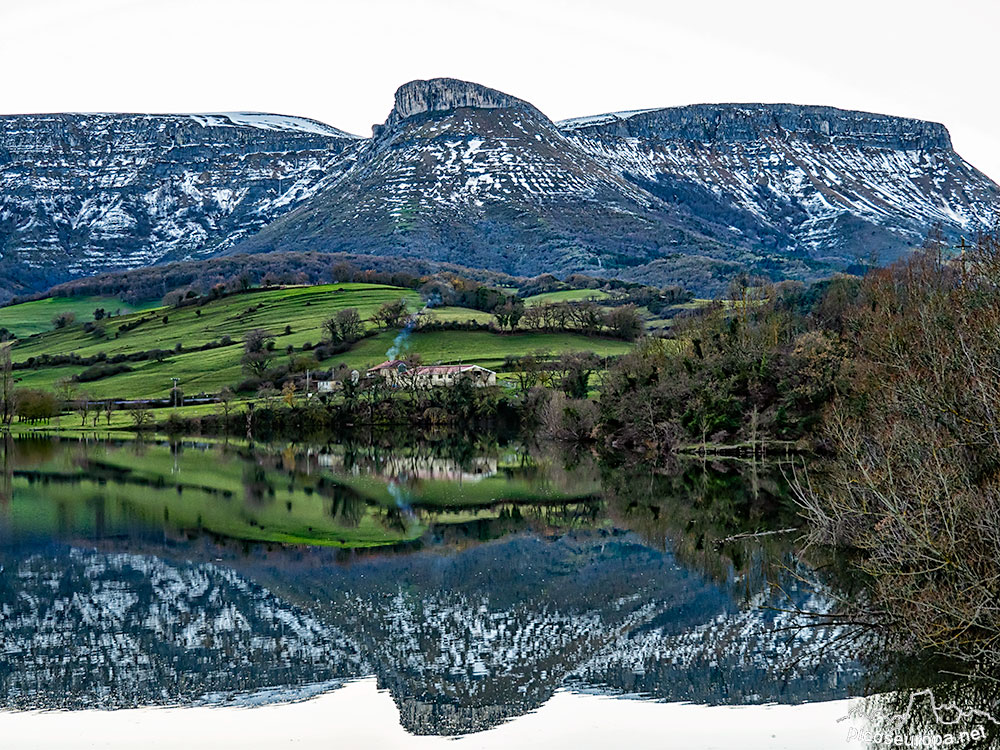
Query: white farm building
(398,373)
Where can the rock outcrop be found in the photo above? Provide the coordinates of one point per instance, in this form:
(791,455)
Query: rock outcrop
(442,94)
(740,123)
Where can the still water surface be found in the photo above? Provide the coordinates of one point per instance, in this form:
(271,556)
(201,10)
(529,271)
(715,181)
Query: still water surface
(206,594)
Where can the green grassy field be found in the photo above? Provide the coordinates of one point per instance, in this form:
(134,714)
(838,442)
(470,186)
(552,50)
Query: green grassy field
(302,309)
(35,317)
(459,314)
(568,295)
(474,347)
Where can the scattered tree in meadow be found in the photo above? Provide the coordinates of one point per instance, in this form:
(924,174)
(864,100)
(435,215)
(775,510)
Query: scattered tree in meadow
(6,387)
(257,351)
(391,314)
(65,388)
(509,313)
(226,397)
(349,324)
(141,415)
(64,319)
(83,406)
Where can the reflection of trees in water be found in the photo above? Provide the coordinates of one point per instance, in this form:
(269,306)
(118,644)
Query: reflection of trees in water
(27,452)
(698,509)
(633,620)
(7,477)
(258,491)
(347,507)
(926,698)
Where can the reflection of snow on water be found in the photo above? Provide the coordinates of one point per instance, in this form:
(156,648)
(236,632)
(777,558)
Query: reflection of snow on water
(160,633)
(462,655)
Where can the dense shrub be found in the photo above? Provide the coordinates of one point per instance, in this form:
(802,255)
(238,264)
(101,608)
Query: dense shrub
(33,405)
(99,371)
(914,485)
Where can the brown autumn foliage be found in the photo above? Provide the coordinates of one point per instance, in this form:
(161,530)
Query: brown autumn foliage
(915,483)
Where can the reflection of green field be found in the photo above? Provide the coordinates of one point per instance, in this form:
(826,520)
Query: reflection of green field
(102,490)
(88,508)
(442,494)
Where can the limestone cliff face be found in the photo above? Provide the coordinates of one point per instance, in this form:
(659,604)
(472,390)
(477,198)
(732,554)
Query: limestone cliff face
(817,183)
(728,123)
(443,94)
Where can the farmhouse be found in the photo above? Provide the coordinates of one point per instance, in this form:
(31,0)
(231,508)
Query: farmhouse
(398,373)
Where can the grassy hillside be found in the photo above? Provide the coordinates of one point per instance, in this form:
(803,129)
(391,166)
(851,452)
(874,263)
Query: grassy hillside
(568,295)
(35,317)
(300,310)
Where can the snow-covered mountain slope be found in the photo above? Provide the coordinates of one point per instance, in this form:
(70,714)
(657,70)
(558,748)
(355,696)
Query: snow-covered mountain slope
(688,195)
(463,173)
(82,193)
(830,184)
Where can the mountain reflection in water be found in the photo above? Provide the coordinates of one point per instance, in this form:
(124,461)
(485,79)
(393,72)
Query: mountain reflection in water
(185,573)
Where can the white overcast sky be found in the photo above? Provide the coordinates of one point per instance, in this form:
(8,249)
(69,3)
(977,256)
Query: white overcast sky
(340,62)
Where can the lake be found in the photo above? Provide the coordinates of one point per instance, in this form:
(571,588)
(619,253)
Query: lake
(399,591)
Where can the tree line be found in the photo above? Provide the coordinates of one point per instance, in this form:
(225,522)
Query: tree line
(894,380)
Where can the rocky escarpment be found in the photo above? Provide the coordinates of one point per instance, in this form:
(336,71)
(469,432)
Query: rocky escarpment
(462,174)
(82,193)
(827,185)
(442,94)
(738,123)
(687,195)
(466,174)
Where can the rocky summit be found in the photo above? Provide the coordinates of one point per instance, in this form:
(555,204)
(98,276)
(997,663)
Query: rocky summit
(463,173)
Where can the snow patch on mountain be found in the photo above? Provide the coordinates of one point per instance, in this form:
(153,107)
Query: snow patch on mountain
(282,123)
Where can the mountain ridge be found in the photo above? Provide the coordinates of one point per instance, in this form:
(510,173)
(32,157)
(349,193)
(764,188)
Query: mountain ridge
(787,116)
(460,172)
